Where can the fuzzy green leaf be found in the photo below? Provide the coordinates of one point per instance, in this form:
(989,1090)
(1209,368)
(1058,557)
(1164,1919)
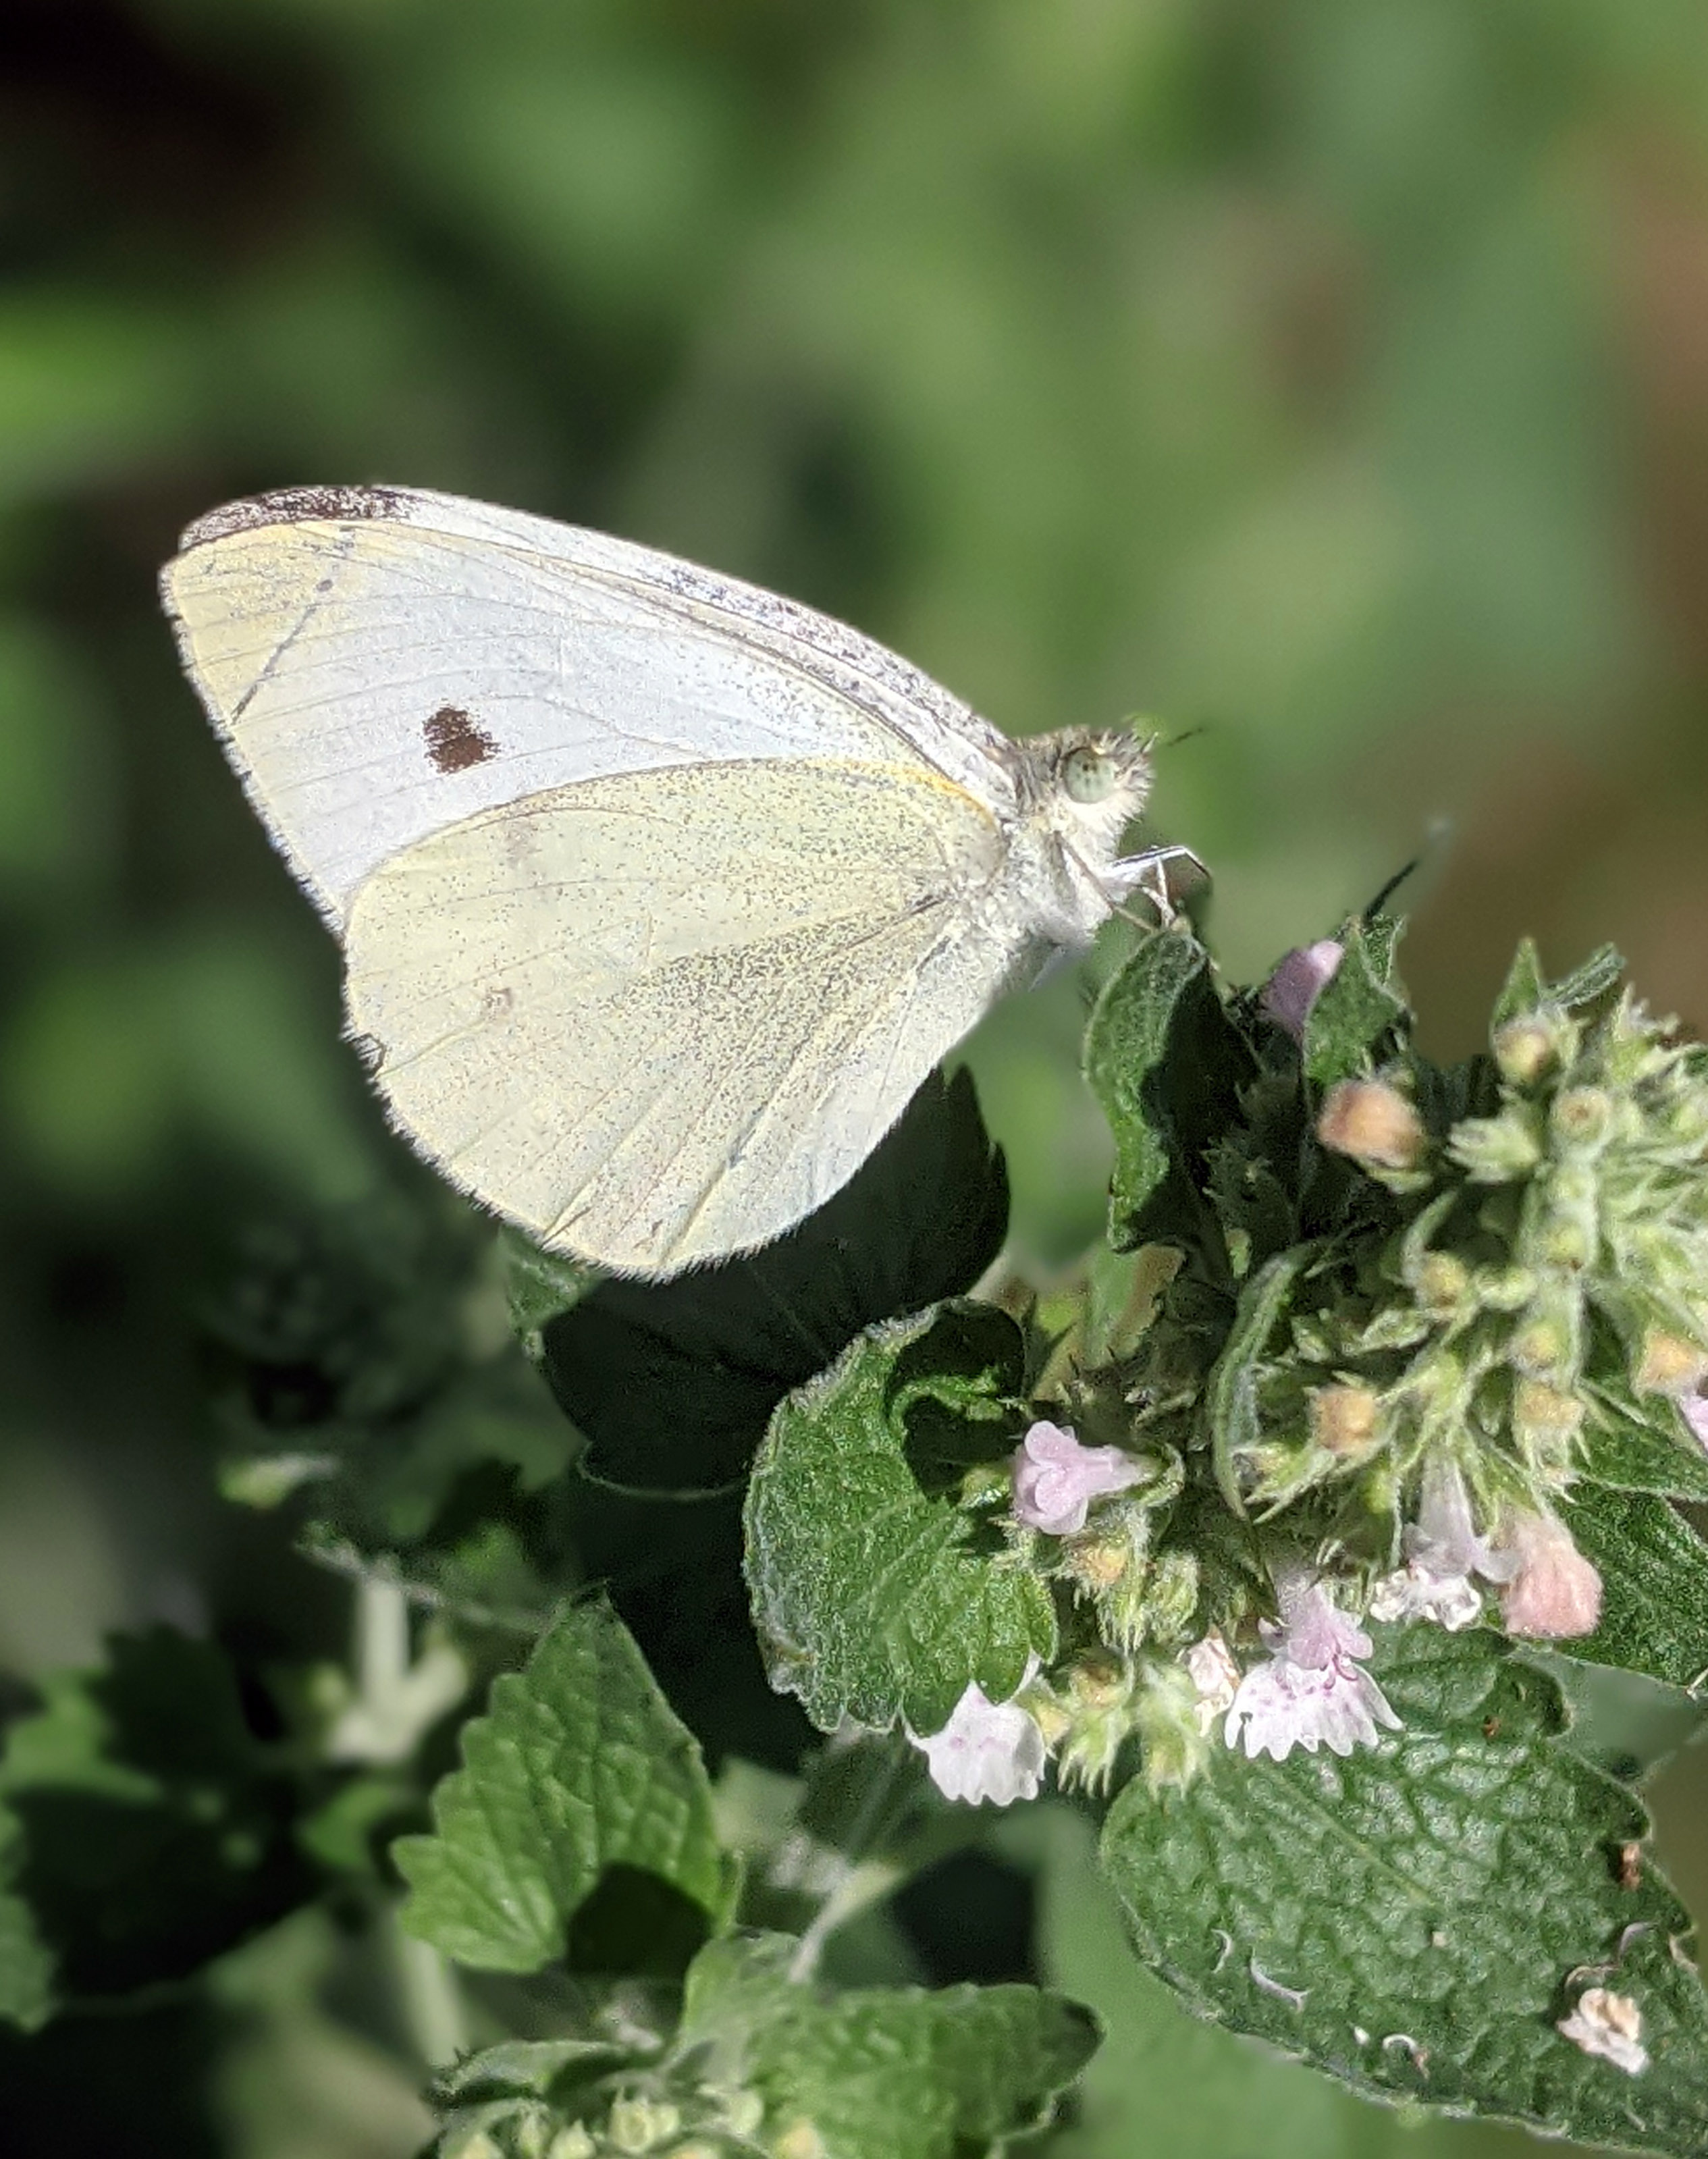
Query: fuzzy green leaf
(1644,1445)
(1230,1397)
(1416,1919)
(1654,1584)
(1352,1023)
(673,1383)
(1164,1061)
(540,1286)
(881,2074)
(1527,988)
(875,1595)
(579,1766)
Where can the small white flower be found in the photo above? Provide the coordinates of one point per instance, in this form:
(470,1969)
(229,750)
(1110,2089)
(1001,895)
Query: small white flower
(1443,1553)
(1311,1692)
(1213,1672)
(1610,2025)
(1056,1480)
(987,1750)
(1298,980)
(1695,1406)
(1554,1593)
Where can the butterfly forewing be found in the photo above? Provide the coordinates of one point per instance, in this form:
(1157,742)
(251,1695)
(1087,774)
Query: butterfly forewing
(382,663)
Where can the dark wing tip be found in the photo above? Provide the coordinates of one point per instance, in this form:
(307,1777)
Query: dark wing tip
(296,505)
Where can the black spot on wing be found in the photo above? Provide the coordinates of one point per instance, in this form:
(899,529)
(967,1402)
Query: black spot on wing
(454,742)
(296,505)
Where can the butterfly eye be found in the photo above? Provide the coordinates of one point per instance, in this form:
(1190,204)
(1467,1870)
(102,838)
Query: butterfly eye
(1087,775)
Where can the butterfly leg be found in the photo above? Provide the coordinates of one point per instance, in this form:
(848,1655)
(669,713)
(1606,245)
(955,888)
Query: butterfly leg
(1162,875)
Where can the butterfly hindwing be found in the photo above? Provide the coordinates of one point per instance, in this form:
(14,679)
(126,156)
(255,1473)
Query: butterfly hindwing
(660,1016)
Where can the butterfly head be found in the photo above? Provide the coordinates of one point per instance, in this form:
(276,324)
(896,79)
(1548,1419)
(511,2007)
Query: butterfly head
(1092,782)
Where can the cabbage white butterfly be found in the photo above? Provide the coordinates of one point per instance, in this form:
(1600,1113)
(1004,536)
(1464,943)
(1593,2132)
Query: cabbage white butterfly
(659,895)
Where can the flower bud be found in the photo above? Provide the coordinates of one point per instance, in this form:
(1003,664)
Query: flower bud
(1555,1593)
(1173,1731)
(799,2140)
(1372,1123)
(1171,1596)
(1526,1047)
(1441,1282)
(1099,1691)
(1547,1341)
(1668,1364)
(571,2142)
(1582,1117)
(1298,980)
(1345,1420)
(1546,1421)
(637,2125)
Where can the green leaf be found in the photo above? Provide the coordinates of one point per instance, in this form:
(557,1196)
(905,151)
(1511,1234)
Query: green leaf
(1353,1023)
(540,1286)
(548,2069)
(1167,2082)
(1527,989)
(1642,1445)
(880,2073)
(1417,1919)
(1586,984)
(1654,1585)
(673,1383)
(874,1594)
(142,1829)
(1165,1063)
(371,1379)
(579,1766)
(1230,1396)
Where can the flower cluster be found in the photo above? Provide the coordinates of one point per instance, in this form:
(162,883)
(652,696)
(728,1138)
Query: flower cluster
(1531,1262)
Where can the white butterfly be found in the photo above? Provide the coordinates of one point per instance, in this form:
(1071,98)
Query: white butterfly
(659,895)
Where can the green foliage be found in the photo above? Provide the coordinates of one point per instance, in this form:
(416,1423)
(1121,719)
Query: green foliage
(578,1767)
(1475,1868)
(760,2054)
(673,1383)
(1655,1569)
(1362,1012)
(919,2075)
(1162,1060)
(1251,362)
(369,1376)
(875,1595)
(143,1830)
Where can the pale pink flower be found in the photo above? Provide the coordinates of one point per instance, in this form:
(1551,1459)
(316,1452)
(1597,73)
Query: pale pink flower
(1443,1552)
(1555,1592)
(1056,1480)
(987,1750)
(1215,1675)
(1695,1406)
(1298,980)
(1311,1692)
(1610,2025)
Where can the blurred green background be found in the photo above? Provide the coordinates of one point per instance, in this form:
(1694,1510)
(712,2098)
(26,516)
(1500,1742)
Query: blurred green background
(1327,379)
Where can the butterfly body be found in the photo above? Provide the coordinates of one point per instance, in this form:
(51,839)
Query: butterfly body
(660,894)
